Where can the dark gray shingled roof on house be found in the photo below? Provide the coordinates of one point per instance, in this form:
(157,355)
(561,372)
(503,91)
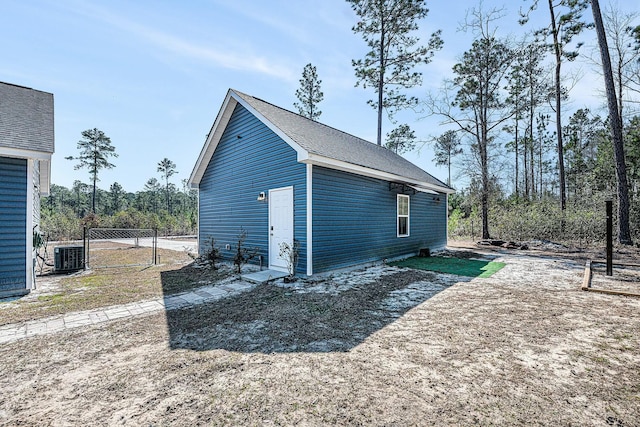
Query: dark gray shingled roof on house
(332,143)
(26,118)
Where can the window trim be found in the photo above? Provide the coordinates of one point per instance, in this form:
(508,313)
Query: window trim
(398,215)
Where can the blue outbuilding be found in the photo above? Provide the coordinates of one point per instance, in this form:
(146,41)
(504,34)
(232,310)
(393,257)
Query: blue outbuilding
(26,146)
(284,178)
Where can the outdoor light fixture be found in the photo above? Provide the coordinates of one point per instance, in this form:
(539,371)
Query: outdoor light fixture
(262,197)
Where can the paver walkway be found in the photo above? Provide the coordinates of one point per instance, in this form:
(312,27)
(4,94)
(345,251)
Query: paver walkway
(50,325)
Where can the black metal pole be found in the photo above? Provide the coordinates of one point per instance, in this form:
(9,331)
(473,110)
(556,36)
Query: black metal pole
(155,246)
(609,238)
(85,247)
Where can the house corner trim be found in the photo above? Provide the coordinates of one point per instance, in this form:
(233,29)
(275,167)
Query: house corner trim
(309,219)
(29,232)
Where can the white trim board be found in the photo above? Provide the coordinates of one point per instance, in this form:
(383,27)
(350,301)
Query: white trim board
(213,138)
(222,120)
(329,163)
(41,156)
(24,154)
(309,219)
(29,232)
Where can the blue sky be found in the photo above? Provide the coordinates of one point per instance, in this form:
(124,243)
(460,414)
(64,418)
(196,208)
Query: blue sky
(153,74)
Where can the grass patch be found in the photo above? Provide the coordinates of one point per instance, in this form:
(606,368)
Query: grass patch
(51,298)
(102,287)
(452,265)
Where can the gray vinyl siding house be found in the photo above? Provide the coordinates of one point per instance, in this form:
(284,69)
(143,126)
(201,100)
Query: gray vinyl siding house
(283,178)
(26,146)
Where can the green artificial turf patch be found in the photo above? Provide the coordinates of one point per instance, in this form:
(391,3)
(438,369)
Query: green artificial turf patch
(461,267)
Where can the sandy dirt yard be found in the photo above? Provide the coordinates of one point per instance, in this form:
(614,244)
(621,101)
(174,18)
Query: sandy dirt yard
(380,346)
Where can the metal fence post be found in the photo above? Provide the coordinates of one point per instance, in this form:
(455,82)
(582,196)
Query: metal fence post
(87,237)
(155,246)
(609,238)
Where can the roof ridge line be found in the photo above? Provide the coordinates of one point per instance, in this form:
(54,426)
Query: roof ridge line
(383,158)
(307,118)
(25,87)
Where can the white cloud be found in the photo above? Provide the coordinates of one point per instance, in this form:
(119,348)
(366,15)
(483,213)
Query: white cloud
(244,61)
(267,16)
(234,60)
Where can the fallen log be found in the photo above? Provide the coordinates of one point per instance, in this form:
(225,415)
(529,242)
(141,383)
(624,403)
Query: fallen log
(502,244)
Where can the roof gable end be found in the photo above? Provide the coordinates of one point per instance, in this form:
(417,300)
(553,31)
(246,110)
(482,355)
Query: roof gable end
(318,144)
(220,124)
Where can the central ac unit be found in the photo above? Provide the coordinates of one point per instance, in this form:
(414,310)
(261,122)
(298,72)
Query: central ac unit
(68,258)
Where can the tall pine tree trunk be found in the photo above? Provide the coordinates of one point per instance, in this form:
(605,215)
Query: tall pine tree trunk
(561,174)
(532,170)
(540,171)
(93,197)
(525,166)
(484,160)
(516,150)
(167,194)
(485,198)
(95,177)
(615,120)
(558,90)
(381,80)
(529,184)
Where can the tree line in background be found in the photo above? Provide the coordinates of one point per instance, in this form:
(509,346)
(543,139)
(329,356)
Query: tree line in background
(66,211)
(160,205)
(506,96)
(533,168)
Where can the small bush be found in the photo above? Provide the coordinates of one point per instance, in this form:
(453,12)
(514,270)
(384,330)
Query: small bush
(290,254)
(212,253)
(243,254)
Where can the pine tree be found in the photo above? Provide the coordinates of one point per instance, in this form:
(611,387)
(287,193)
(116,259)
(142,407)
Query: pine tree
(309,93)
(117,196)
(168,169)
(401,139)
(152,188)
(581,135)
(445,148)
(479,79)
(95,149)
(387,26)
(79,189)
(565,23)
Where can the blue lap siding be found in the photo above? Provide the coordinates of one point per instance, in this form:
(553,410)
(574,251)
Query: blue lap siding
(249,159)
(13,223)
(354,220)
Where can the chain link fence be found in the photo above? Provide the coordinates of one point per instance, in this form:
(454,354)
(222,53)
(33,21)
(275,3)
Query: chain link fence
(120,247)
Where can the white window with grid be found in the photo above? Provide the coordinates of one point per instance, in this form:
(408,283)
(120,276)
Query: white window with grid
(403,216)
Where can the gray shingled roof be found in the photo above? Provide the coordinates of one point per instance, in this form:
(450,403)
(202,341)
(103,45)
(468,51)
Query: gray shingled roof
(326,141)
(26,118)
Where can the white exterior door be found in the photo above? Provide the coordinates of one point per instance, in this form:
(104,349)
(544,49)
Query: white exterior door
(280,225)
